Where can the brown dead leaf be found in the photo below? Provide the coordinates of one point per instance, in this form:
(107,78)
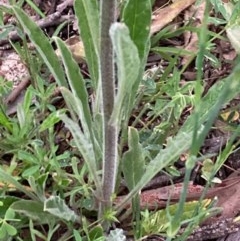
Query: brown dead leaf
(230,56)
(76,47)
(166,15)
(189,75)
(229,201)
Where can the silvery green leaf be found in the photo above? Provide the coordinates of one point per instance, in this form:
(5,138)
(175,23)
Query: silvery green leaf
(233,34)
(128,67)
(116,235)
(57,207)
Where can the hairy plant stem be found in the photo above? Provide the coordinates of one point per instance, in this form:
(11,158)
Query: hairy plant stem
(107,75)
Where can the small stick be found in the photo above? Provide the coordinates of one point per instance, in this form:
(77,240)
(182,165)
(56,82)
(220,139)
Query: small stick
(16,92)
(50,20)
(67,3)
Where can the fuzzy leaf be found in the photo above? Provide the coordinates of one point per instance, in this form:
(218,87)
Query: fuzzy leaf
(57,207)
(128,66)
(31,209)
(116,235)
(75,79)
(133,160)
(233,34)
(137,16)
(42,44)
(82,139)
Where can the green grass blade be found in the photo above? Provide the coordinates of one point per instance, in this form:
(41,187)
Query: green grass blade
(42,44)
(87,13)
(172,51)
(35,8)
